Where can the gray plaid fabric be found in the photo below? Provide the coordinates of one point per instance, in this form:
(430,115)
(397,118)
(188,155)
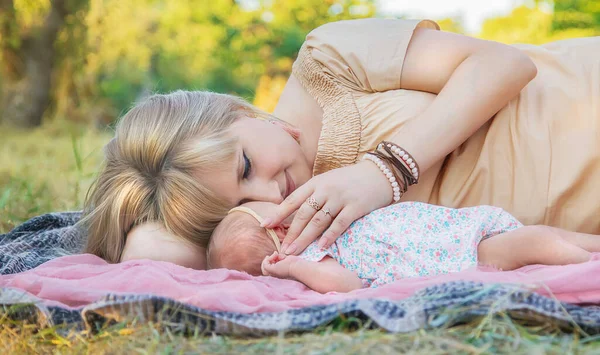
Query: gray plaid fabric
(40,239)
(52,235)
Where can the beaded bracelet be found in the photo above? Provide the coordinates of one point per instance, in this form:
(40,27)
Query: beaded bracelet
(404,156)
(387,172)
(400,166)
(396,167)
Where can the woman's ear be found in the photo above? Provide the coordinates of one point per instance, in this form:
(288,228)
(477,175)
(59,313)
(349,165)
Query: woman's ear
(291,130)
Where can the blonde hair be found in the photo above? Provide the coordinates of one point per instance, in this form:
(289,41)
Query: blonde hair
(153,167)
(239,243)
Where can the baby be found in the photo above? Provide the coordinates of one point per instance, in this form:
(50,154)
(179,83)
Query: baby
(403,240)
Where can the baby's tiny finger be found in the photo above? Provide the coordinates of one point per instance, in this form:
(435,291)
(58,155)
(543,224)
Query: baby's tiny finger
(263,266)
(271,258)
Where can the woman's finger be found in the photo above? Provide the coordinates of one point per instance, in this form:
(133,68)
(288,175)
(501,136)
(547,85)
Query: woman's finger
(339,225)
(305,214)
(289,205)
(319,223)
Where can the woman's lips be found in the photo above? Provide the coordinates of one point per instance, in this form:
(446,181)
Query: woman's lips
(290,186)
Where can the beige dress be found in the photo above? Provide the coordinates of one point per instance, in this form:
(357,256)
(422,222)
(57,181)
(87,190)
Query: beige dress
(538,158)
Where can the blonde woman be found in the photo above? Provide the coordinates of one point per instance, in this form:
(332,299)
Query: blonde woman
(479,127)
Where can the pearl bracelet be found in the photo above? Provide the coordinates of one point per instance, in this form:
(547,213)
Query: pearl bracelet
(406,158)
(387,172)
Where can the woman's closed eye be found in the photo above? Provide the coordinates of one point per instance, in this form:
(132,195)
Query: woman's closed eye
(247,166)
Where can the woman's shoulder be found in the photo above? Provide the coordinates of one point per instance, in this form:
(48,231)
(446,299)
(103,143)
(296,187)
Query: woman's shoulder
(359,55)
(349,30)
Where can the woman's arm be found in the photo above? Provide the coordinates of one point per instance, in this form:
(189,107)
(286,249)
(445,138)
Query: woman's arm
(152,241)
(324,276)
(473,78)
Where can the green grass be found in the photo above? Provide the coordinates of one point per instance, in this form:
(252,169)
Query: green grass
(488,335)
(47,169)
(50,169)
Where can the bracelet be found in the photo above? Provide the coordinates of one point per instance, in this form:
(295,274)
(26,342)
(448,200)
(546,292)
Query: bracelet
(400,166)
(395,167)
(387,172)
(404,156)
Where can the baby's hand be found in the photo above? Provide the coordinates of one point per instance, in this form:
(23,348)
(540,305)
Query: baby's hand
(278,265)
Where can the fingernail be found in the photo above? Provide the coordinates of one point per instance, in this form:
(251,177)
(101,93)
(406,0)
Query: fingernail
(322,243)
(266,222)
(291,249)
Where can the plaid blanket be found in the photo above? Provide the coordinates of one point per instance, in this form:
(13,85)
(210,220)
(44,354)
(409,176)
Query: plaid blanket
(49,236)
(40,239)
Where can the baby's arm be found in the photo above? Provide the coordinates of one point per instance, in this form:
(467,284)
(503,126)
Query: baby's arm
(532,245)
(323,276)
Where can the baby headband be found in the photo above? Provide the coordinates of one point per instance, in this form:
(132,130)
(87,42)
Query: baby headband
(270,232)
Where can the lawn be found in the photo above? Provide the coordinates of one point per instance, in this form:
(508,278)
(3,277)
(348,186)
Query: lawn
(50,169)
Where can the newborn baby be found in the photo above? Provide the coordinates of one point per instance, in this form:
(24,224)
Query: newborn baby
(409,239)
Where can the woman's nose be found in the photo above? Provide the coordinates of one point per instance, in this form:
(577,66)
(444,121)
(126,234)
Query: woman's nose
(268,191)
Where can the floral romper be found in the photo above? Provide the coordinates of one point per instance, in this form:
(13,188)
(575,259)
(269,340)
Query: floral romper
(414,239)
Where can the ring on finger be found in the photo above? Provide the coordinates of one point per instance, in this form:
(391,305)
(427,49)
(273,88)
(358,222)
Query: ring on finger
(313,203)
(326,211)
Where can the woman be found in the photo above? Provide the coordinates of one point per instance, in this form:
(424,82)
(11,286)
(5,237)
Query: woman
(354,84)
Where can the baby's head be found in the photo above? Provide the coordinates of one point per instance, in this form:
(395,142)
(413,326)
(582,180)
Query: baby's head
(240,243)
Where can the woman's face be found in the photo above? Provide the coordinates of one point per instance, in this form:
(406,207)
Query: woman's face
(268,164)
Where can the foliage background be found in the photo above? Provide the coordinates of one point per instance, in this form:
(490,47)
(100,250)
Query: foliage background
(108,53)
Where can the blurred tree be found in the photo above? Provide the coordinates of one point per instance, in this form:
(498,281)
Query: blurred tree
(579,14)
(243,47)
(540,24)
(523,25)
(285,25)
(28,30)
(90,59)
(451,24)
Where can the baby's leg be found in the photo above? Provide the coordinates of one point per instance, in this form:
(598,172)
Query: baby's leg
(589,242)
(536,245)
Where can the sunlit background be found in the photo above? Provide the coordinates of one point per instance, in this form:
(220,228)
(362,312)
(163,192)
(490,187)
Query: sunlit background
(68,68)
(108,53)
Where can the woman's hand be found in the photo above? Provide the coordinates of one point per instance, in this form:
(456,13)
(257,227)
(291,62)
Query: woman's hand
(339,197)
(278,265)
